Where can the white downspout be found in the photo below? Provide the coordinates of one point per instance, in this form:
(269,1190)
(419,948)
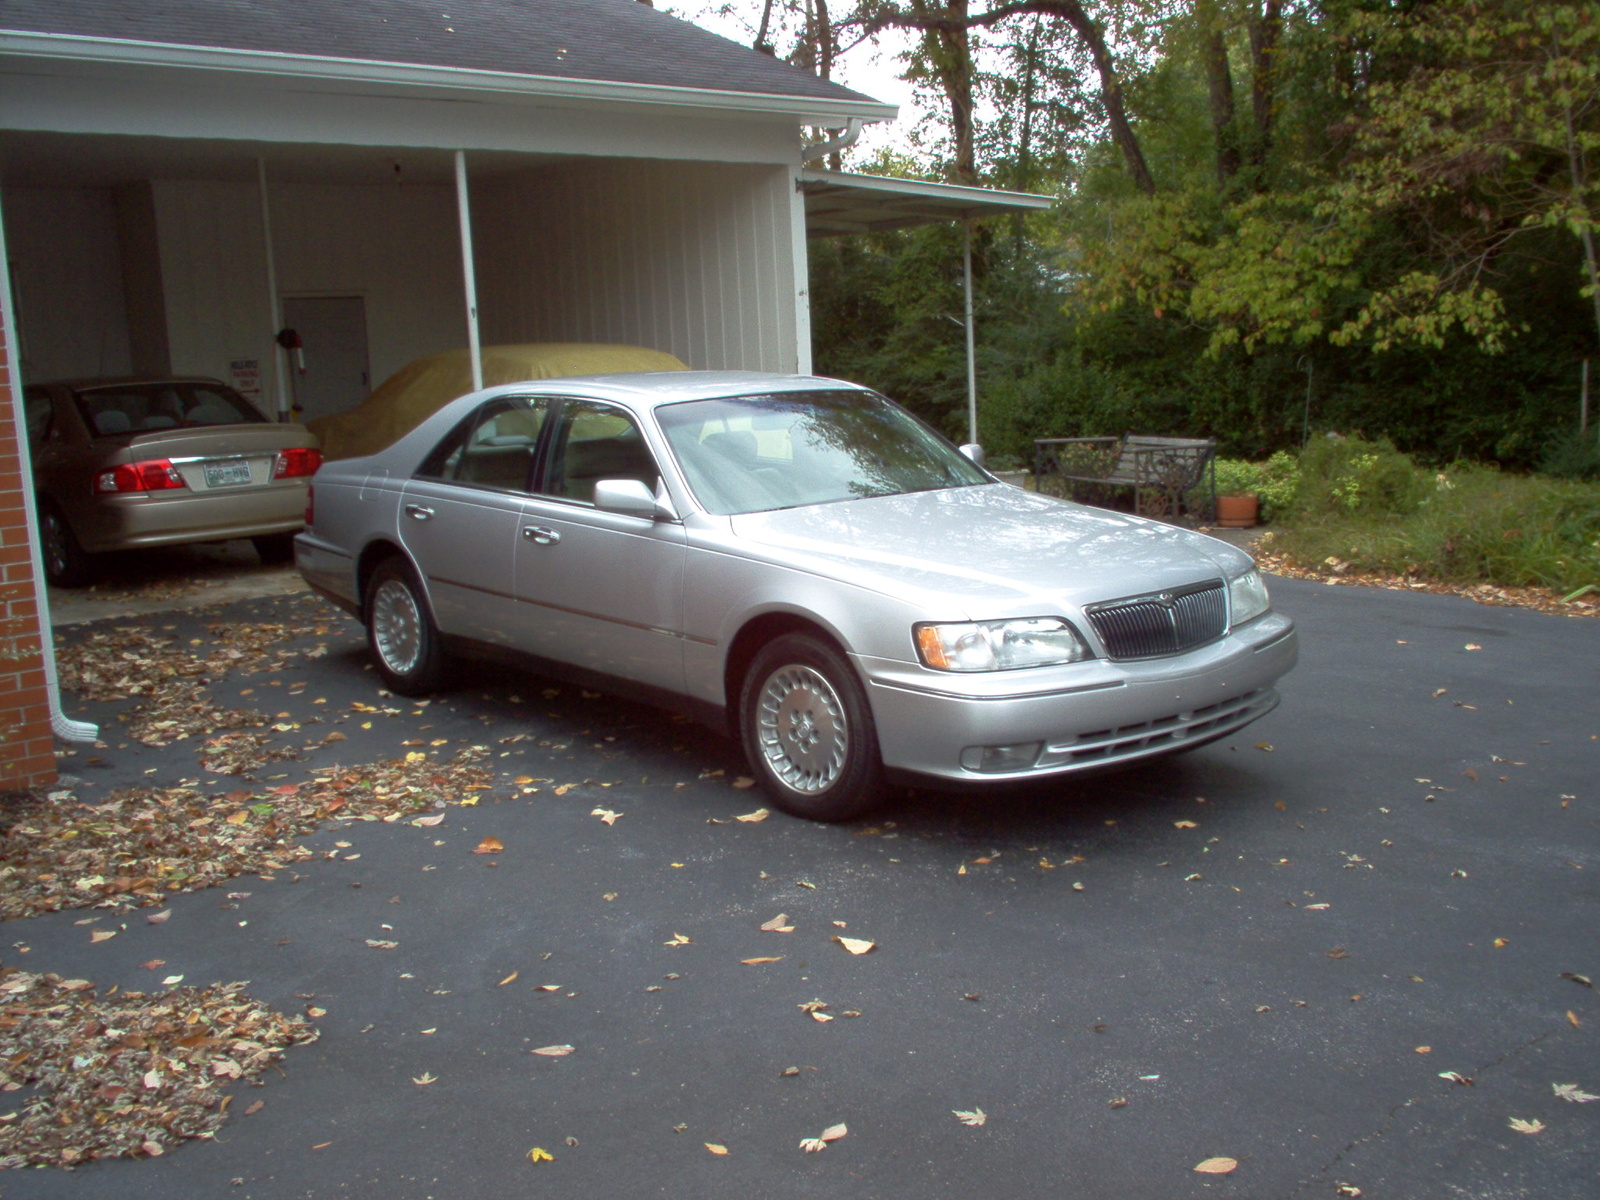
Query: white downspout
(847,138)
(468,271)
(63,726)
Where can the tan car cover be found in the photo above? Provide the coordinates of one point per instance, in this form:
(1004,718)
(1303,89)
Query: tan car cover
(420,388)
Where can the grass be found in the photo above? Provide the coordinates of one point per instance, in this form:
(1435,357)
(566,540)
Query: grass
(1470,524)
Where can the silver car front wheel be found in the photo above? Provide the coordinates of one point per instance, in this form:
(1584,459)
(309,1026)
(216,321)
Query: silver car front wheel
(808,731)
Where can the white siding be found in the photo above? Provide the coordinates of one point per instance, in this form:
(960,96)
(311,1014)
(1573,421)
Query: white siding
(394,246)
(691,258)
(67,270)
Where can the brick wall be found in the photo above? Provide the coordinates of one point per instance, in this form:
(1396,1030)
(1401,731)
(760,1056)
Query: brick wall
(27,748)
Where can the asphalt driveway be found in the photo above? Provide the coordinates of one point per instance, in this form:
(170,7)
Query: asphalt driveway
(1269,949)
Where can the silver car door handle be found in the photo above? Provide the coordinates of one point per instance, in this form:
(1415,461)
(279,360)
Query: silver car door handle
(420,512)
(537,533)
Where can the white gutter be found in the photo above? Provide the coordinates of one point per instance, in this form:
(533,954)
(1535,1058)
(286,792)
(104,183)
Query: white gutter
(807,109)
(63,726)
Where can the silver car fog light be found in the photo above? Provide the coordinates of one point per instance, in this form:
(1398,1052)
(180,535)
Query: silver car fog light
(999,645)
(1247,598)
(991,759)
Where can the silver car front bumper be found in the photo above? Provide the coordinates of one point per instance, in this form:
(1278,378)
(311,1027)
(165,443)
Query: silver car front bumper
(1082,716)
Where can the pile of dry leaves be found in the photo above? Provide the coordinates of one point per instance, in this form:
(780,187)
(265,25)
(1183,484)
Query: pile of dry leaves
(130,1074)
(1336,571)
(143,843)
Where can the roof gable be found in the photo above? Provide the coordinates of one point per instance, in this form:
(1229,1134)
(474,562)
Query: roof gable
(616,41)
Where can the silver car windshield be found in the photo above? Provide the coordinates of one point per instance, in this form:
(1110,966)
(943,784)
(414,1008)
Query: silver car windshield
(757,453)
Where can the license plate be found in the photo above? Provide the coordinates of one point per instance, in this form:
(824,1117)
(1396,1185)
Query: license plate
(227,474)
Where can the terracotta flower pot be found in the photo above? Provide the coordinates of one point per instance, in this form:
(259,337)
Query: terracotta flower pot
(1236,512)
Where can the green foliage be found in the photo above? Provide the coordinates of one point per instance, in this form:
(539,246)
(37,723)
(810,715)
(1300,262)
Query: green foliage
(1342,476)
(1275,483)
(1478,525)
(1573,456)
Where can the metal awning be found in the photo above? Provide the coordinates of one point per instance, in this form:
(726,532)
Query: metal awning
(838,203)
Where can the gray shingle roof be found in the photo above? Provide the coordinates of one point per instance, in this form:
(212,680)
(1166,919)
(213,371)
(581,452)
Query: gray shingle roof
(619,41)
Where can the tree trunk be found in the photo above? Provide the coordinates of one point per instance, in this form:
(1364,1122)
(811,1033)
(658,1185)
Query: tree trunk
(1220,80)
(1090,34)
(1265,31)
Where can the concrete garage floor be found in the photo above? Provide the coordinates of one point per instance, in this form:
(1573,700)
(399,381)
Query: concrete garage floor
(1257,985)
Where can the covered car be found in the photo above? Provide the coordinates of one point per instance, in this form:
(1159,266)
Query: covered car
(425,385)
(803,563)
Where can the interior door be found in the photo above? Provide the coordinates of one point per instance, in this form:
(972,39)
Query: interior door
(333,338)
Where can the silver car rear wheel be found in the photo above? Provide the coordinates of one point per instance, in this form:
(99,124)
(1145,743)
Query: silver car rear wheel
(400,630)
(808,731)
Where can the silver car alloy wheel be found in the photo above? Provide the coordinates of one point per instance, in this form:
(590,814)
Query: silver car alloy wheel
(802,729)
(397,626)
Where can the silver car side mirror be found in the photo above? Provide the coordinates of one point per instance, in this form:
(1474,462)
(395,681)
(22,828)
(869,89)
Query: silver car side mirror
(633,498)
(973,451)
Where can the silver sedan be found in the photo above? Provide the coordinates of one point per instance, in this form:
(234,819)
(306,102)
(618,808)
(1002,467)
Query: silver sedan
(800,563)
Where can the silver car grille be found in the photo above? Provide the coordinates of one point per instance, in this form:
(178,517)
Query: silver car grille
(1162,623)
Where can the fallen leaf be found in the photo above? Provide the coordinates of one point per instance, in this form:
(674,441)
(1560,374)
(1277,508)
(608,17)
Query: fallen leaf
(1521,1126)
(424,1079)
(811,1006)
(744,781)
(1267,746)
(716,1149)
(834,1132)
(1501,943)
(378,944)
(102,935)
(1572,1019)
(1184,825)
(172,981)
(540,1155)
(778,924)
(1317,907)
(153,964)
(1424,1049)
(1582,979)
(750,962)
(1347,1190)
(821,1016)
(854,945)
(1456,1077)
(1118,1102)
(159,918)
(1570,1091)
(751,818)
(489,845)
(509,978)
(1217,1166)
(788,1071)
(1338,952)
(975,1117)
(255,1107)
(1472,646)
(553,1051)
(678,940)
(430,821)
(813,1145)
(606,815)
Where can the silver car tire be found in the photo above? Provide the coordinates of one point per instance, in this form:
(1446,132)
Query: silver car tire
(400,631)
(66,563)
(808,731)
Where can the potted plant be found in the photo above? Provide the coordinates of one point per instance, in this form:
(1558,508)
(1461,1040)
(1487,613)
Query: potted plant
(1237,503)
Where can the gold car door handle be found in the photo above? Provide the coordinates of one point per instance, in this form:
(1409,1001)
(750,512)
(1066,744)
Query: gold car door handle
(537,533)
(419,512)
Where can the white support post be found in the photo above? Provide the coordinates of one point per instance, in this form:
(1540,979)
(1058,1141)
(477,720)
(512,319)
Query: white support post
(468,272)
(280,356)
(972,362)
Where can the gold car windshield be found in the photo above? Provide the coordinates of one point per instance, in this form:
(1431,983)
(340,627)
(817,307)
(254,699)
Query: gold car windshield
(758,453)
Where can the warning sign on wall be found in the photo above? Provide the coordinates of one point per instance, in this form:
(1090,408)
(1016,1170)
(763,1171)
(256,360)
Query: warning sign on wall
(246,373)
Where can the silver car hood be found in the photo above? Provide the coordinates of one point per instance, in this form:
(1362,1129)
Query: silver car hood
(991,550)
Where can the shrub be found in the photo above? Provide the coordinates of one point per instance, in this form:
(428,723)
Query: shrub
(1573,456)
(1348,476)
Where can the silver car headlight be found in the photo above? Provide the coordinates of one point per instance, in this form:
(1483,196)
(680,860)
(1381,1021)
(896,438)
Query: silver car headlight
(1247,597)
(999,645)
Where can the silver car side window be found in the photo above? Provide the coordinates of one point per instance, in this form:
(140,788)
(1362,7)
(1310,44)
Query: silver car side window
(495,447)
(596,441)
